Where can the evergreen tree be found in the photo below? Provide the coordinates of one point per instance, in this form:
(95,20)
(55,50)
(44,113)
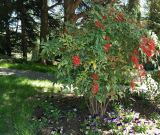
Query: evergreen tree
(134,8)
(154,16)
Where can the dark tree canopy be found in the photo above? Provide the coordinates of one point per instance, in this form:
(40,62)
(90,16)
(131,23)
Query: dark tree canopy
(23,22)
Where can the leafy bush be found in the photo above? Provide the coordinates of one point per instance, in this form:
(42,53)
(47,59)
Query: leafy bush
(99,56)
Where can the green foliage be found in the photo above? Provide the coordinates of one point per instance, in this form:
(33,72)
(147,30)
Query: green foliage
(70,115)
(53,112)
(155,116)
(140,129)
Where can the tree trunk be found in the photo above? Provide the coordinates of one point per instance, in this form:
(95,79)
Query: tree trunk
(23,34)
(44,26)
(69,10)
(44,20)
(24,42)
(8,41)
(70,7)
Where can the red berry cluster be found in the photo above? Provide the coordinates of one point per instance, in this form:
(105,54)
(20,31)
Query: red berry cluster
(120,17)
(134,59)
(148,46)
(99,24)
(141,71)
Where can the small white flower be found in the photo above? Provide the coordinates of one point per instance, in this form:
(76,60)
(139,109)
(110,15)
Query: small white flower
(53,132)
(52,110)
(75,110)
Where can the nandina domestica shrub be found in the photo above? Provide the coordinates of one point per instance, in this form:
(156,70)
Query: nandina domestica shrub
(99,55)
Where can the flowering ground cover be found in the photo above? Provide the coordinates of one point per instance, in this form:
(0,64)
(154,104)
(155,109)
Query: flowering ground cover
(123,122)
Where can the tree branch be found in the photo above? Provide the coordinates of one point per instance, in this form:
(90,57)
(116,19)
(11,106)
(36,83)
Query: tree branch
(85,5)
(77,2)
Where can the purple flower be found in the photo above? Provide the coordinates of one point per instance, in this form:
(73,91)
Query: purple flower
(115,119)
(131,131)
(109,120)
(105,119)
(94,124)
(119,124)
(136,119)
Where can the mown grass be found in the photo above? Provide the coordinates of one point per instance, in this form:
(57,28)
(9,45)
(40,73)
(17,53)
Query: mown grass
(28,66)
(17,104)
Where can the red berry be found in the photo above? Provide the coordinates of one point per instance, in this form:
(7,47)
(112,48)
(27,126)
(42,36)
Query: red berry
(104,17)
(95,88)
(134,59)
(120,17)
(107,46)
(132,85)
(76,60)
(94,76)
(135,51)
(99,24)
(106,38)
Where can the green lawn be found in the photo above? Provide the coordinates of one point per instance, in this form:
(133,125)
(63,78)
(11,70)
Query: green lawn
(28,66)
(17,103)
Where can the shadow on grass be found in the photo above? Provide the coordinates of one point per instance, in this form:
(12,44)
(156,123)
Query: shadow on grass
(16,108)
(28,66)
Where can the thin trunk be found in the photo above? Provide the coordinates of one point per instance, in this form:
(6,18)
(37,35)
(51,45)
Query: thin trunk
(24,42)
(8,41)
(23,36)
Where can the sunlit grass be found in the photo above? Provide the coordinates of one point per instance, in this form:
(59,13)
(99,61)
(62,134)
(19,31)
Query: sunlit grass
(40,85)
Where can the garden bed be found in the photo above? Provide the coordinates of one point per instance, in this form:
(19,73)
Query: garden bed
(72,117)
